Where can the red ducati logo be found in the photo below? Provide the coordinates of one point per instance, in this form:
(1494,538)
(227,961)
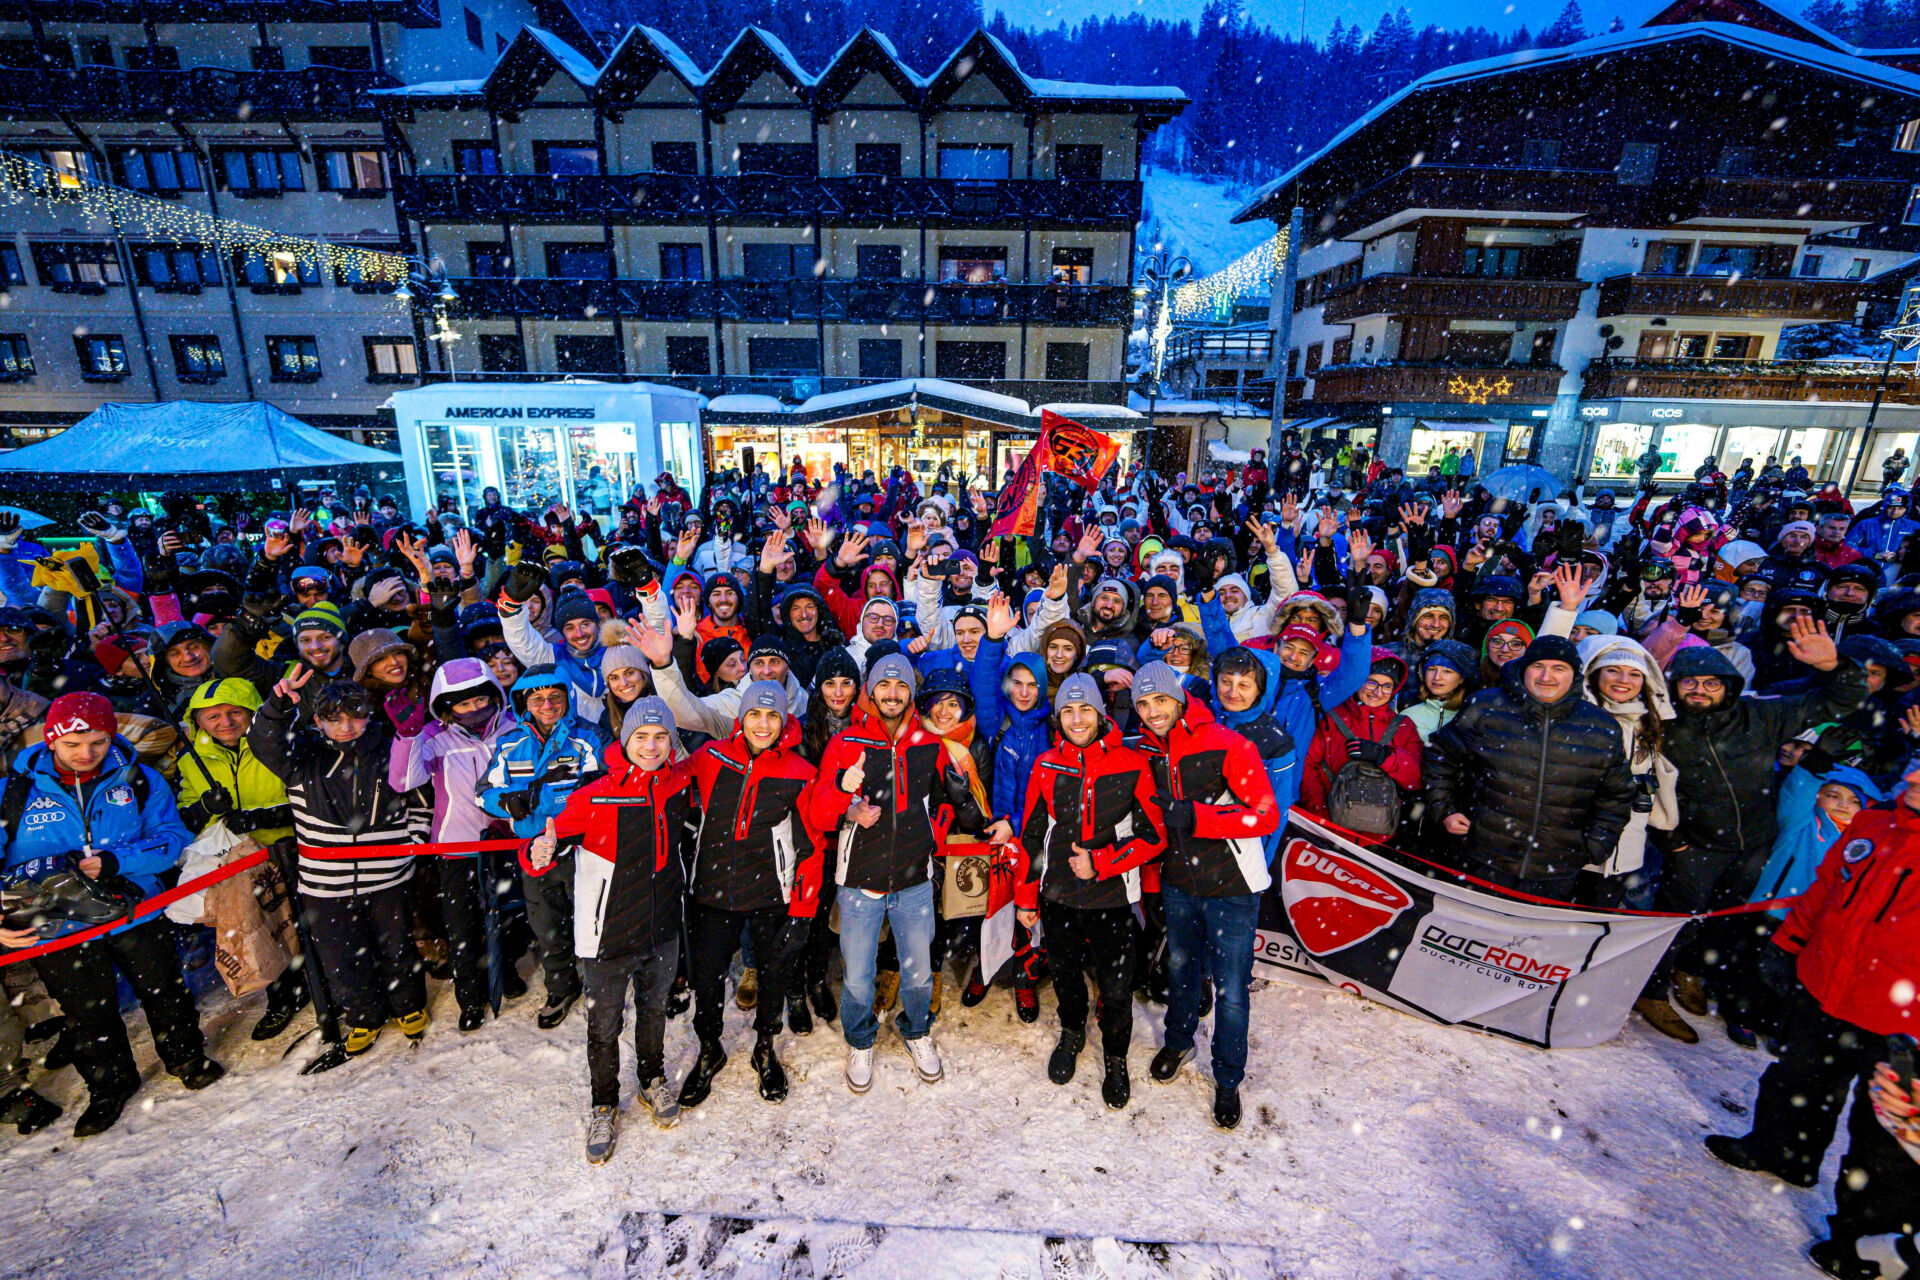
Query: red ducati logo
(1334,901)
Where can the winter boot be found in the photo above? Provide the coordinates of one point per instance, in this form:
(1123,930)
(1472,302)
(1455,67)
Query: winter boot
(60,1052)
(748,993)
(699,1082)
(939,991)
(766,1064)
(200,1073)
(1226,1107)
(101,1114)
(799,1018)
(1206,997)
(512,985)
(1666,1019)
(359,1040)
(886,989)
(27,1111)
(660,1099)
(1026,1003)
(1116,1089)
(1690,993)
(1066,1054)
(46,1028)
(1734,1151)
(1167,1063)
(601,1123)
(473,1017)
(1743,1036)
(974,992)
(556,1009)
(277,1018)
(414,1025)
(825,1006)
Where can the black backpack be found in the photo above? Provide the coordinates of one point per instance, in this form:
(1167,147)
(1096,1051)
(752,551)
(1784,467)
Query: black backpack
(1362,796)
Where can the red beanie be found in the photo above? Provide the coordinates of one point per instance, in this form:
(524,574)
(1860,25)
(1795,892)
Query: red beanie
(80,713)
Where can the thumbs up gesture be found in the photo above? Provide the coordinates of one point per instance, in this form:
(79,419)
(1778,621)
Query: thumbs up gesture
(540,852)
(853,777)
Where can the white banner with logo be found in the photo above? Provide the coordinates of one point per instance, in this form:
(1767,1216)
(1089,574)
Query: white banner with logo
(1558,977)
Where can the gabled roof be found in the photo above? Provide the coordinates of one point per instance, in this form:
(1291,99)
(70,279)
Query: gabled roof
(1742,13)
(1748,39)
(641,54)
(535,57)
(981,54)
(868,52)
(753,53)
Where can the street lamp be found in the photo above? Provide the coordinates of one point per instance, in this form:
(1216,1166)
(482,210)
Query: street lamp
(1159,276)
(429,281)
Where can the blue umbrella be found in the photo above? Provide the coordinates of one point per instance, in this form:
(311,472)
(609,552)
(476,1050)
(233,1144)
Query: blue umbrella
(28,519)
(1518,482)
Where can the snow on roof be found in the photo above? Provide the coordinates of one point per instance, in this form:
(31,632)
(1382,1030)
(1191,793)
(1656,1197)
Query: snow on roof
(432,89)
(1088,410)
(683,65)
(937,387)
(886,47)
(746,404)
(774,46)
(1750,38)
(1197,408)
(1080,89)
(576,64)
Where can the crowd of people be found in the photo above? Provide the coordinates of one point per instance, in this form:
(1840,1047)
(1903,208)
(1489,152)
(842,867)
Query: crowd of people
(806,716)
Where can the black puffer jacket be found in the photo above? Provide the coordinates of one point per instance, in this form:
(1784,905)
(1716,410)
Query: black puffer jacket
(1726,756)
(1546,785)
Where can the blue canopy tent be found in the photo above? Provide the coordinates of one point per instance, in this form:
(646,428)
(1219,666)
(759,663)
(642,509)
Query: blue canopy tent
(203,447)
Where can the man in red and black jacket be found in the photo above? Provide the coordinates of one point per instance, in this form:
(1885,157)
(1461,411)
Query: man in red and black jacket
(1218,802)
(1849,954)
(1090,826)
(887,786)
(758,866)
(634,827)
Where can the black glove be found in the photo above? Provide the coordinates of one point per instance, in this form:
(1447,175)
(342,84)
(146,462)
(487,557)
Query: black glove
(9,523)
(631,568)
(1779,969)
(524,582)
(1370,752)
(444,598)
(217,801)
(47,646)
(162,574)
(518,804)
(94,523)
(1179,815)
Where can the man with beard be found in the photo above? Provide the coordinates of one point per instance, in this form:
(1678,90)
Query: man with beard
(1791,559)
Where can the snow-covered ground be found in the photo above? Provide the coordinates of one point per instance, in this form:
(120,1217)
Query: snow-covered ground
(1190,214)
(1374,1146)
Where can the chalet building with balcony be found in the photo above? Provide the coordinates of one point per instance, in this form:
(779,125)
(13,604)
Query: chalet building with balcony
(1565,255)
(258,112)
(857,263)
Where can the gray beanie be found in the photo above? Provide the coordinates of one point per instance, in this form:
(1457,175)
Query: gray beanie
(645,711)
(893,666)
(1157,677)
(764,695)
(1080,688)
(621,657)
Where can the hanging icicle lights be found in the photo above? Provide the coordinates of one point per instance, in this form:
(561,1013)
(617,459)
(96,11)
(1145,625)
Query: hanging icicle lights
(23,179)
(1251,274)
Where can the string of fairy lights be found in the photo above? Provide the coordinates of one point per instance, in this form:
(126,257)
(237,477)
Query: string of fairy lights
(24,179)
(1249,275)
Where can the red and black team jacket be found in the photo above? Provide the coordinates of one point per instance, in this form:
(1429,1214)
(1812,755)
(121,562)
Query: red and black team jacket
(921,798)
(1857,930)
(1099,797)
(1233,806)
(756,847)
(634,829)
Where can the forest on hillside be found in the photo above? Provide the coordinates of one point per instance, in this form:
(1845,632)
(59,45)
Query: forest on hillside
(1261,99)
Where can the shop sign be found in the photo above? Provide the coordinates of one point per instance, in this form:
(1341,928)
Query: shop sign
(1665,414)
(1594,411)
(527,412)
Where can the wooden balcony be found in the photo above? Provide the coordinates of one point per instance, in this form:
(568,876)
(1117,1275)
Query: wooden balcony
(1495,386)
(794,390)
(408,13)
(910,302)
(1757,380)
(1456,297)
(666,197)
(202,93)
(1721,298)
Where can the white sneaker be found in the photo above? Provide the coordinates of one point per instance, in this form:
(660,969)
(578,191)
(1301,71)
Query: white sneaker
(860,1069)
(600,1126)
(926,1058)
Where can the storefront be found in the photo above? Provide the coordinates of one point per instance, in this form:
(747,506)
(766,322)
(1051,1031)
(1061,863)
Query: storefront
(584,444)
(1825,438)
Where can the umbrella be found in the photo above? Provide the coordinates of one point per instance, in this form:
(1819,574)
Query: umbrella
(1517,483)
(28,519)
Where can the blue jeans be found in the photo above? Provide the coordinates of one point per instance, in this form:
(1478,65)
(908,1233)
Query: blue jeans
(911,913)
(1210,936)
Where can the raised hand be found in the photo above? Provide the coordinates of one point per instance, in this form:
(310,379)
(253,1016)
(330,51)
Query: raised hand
(781,517)
(564,512)
(1450,503)
(1290,510)
(1572,585)
(1327,526)
(540,849)
(990,554)
(1809,642)
(917,645)
(463,552)
(999,616)
(1910,722)
(656,645)
(277,545)
(1264,533)
(1691,596)
(686,620)
(352,551)
(818,535)
(290,685)
(1090,540)
(683,549)
(1411,515)
(1057,582)
(853,549)
(301,521)
(1538,584)
(1359,547)
(916,536)
(773,552)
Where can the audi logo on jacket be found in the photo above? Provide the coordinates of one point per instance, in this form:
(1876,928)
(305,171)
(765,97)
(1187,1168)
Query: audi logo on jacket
(921,799)
(756,848)
(634,828)
(1099,797)
(1233,806)
(1857,930)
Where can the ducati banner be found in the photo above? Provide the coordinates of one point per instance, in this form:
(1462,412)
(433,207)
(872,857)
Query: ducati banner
(1558,977)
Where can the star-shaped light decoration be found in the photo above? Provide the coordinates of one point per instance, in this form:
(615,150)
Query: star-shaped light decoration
(1479,390)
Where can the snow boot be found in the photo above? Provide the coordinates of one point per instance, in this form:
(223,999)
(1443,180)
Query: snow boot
(277,1018)
(1690,993)
(1166,1064)
(747,994)
(1666,1019)
(556,1010)
(825,1006)
(766,1064)
(1226,1107)
(512,985)
(200,1073)
(699,1081)
(101,1114)
(601,1123)
(60,1052)
(1743,1036)
(939,992)
(974,992)
(886,989)
(799,1018)
(1116,1089)
(1066,1054)
(660,1099)
(1734,1151)
(27,1111)
(359,1040)
(414,1025)
(1026,1003)
(473,1017)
